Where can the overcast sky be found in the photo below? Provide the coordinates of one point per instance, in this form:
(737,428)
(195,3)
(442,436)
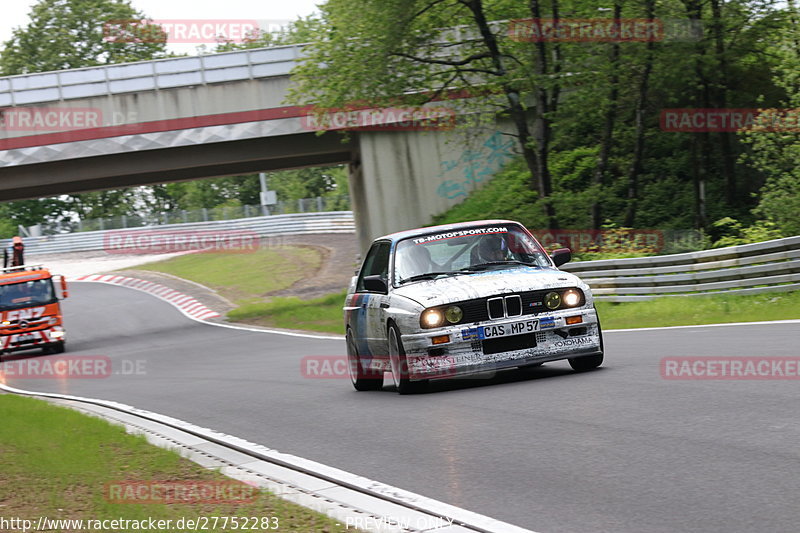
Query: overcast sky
(15,12)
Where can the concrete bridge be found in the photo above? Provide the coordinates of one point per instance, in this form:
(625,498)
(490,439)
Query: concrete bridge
(203,116)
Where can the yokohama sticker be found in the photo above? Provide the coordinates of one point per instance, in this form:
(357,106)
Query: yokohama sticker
(577,341)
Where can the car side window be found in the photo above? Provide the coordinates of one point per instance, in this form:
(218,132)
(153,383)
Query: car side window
(376,264)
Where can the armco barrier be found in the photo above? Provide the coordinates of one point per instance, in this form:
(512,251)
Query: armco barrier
(746,269)
(264,226)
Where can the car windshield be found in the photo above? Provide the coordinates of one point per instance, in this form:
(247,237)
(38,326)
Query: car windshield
(26,293)
(465,251)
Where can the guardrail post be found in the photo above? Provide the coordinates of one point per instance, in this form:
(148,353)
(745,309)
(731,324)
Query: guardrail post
(319,204)
(300,206)
(124,222)
(205,214)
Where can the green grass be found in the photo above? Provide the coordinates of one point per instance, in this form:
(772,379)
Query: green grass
(685,311)
(57,462)
(321,314)
(244,276)
(247,279)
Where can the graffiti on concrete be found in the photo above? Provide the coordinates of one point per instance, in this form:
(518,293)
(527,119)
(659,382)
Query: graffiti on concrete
(473,166)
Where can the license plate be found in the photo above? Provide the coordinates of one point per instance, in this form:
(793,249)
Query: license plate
(25,338)
(505,330)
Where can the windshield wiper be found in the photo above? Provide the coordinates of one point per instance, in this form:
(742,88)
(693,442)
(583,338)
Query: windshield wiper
(427,275)
(495,263)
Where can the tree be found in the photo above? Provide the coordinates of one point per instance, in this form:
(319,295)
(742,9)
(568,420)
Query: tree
(290,186)
(775,151)
(382,52)
(302,30)
(66,34)
(609,117)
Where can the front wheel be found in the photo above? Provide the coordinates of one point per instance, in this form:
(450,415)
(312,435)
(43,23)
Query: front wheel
(362,380)
(399,363)
(56,347)
(582,364)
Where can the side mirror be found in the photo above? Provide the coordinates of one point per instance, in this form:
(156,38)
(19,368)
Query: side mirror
(64,292)
(561,256)
(375,284)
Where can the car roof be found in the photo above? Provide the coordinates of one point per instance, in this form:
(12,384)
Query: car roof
(400,235)
(24,275)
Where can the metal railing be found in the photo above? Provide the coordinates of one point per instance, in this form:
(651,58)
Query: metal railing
(769,266)
(263,226)
(303,205)
(152,75)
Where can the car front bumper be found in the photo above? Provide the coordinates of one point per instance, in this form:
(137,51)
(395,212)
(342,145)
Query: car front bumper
(32,339)
(468,351)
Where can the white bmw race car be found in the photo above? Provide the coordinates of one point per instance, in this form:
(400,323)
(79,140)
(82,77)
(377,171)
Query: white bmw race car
(459,299)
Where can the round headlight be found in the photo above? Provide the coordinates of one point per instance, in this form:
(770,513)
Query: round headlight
(454,314)
(571,298)
(552,300)
(432,318)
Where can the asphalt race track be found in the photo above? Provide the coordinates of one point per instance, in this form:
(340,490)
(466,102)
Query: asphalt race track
(618,449)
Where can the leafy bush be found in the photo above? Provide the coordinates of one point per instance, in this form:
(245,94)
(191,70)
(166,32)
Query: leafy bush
(734,233)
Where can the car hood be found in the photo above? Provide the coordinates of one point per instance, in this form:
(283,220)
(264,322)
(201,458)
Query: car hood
(483,284)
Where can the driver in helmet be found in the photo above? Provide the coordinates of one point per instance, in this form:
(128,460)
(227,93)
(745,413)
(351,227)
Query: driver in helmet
(492,248)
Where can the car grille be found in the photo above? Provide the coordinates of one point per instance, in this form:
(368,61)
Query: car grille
(532,303)
(15,327)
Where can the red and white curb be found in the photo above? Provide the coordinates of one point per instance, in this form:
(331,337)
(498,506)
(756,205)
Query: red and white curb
(185,304)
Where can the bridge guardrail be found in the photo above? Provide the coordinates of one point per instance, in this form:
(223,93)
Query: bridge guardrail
(264,226)
(769,266)
(27,89)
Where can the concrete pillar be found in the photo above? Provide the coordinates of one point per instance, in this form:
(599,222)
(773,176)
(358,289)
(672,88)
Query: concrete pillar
(358,203)
(406,177)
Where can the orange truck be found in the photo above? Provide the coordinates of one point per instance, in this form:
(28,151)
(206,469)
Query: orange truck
(30,314)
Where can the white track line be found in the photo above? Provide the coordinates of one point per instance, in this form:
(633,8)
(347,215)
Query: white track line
(413,501)
(201,315)
(724,324)
(185,303)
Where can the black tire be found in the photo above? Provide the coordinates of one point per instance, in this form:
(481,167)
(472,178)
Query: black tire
(362,380)
(589,362)
(582,364)
(399,364)
(56,347)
